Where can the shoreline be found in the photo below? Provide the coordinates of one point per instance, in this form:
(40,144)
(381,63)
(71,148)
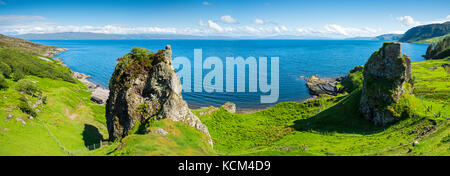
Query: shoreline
(99,94)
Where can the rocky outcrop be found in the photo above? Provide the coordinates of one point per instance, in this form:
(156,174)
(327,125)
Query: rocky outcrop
(439,50)
(230,107)
(319,86)
(387,76)
(144,87)
(51,52)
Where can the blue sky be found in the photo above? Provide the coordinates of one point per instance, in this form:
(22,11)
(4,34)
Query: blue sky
(319,18)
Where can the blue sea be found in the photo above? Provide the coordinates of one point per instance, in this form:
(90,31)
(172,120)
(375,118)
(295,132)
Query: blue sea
(327,58)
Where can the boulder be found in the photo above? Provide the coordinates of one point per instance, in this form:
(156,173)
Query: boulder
(387,79)
(144,87)
(230,107)
(161,131)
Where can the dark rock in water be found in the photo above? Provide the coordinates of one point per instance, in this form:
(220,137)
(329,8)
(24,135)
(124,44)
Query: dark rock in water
(387,77)
(144,87)
(318,86)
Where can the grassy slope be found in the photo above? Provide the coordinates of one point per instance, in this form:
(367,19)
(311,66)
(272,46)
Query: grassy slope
(333,126)
(67,123)
(180,140)
(432,40)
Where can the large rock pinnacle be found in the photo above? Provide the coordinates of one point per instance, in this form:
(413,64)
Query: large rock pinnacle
(144,87)
(387,77)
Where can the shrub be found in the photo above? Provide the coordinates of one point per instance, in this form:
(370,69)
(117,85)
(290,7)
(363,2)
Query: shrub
(27,87)
(25,108)
(3,83)
(30,64)
(5,69)
(140,53)
(17,75)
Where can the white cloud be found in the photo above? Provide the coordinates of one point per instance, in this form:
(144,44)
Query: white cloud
(258,21)
(338,31)
(228,19)
(200,23)
(206,3)
(17,24)
(214,26)
(107,29)
(408,21)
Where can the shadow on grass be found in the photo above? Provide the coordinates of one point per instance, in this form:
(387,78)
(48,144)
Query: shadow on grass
(91,135)
(344,117)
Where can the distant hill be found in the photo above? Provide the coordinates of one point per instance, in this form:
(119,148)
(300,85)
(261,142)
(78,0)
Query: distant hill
(425,32)
(100,36)
(389,37)
(25,45)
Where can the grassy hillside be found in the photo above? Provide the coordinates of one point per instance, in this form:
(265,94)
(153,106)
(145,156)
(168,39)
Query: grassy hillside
(43,110)
(334,126)
(65,125)
(180,140)
(432,40)
(424,32)
(24,45)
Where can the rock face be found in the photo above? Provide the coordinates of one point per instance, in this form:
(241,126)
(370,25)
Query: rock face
(144,87)
(387,77)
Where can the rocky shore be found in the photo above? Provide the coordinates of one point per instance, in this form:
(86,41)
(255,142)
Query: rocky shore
(51,52)
(99,94)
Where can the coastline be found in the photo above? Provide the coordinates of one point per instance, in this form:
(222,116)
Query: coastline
(99,94)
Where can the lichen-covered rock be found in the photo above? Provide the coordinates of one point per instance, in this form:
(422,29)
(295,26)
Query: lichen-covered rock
(230,107)
(144,87)
(387,77)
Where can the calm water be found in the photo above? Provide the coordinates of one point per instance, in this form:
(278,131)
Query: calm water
(327,58)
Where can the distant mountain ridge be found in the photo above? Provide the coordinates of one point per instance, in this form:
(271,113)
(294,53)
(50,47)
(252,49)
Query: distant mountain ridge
(101,36)
(390,37)
(425,32)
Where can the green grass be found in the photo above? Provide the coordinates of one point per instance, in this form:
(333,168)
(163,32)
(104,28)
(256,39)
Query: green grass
(180,140)
(60,127)
(432,40)
(334,126)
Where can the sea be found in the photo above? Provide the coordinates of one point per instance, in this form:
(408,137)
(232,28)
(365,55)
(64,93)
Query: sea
(297,58)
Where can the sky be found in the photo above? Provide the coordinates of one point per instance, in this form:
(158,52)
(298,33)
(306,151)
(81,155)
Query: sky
(261,18)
